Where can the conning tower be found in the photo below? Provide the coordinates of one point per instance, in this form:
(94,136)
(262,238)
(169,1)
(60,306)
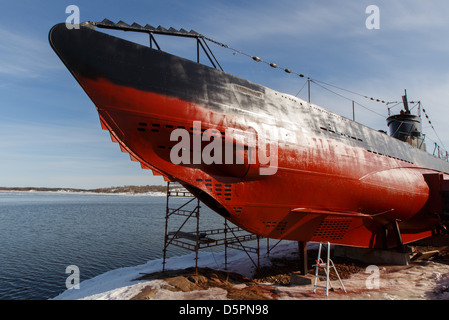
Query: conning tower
(406,126)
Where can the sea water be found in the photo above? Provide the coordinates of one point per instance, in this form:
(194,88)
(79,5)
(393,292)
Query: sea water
(42,233)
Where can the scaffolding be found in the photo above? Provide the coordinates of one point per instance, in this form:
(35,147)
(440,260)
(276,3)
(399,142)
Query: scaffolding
(228,236)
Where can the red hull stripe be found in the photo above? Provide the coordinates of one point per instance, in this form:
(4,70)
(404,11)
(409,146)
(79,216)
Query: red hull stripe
(274,206)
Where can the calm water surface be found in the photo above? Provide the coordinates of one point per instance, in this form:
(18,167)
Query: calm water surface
(43,233)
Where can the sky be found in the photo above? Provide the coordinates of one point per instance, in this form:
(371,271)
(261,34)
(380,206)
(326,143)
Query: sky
(50,131)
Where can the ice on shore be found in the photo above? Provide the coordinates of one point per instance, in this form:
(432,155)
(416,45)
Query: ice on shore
(414,282)
(119,284)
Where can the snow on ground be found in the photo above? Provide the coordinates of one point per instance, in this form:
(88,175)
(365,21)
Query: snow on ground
(414,282)
(118,284)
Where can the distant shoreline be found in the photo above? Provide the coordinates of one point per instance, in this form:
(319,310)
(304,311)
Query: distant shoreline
(109,190)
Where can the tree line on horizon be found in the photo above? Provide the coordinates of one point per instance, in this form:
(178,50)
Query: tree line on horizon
(120,189)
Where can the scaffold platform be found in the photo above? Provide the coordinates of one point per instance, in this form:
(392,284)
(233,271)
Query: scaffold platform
(229,236)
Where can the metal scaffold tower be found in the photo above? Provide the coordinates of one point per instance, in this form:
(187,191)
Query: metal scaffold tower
(188,209)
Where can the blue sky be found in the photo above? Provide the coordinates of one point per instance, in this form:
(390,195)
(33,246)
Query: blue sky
(50,131)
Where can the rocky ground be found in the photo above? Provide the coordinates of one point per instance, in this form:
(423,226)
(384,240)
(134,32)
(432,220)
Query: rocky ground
(427,277)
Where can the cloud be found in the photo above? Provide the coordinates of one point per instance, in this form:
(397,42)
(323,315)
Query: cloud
(415,15)
(24,55)
(269,21)
(43,154)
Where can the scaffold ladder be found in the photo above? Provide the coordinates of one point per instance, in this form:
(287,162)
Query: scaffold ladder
(326,266)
